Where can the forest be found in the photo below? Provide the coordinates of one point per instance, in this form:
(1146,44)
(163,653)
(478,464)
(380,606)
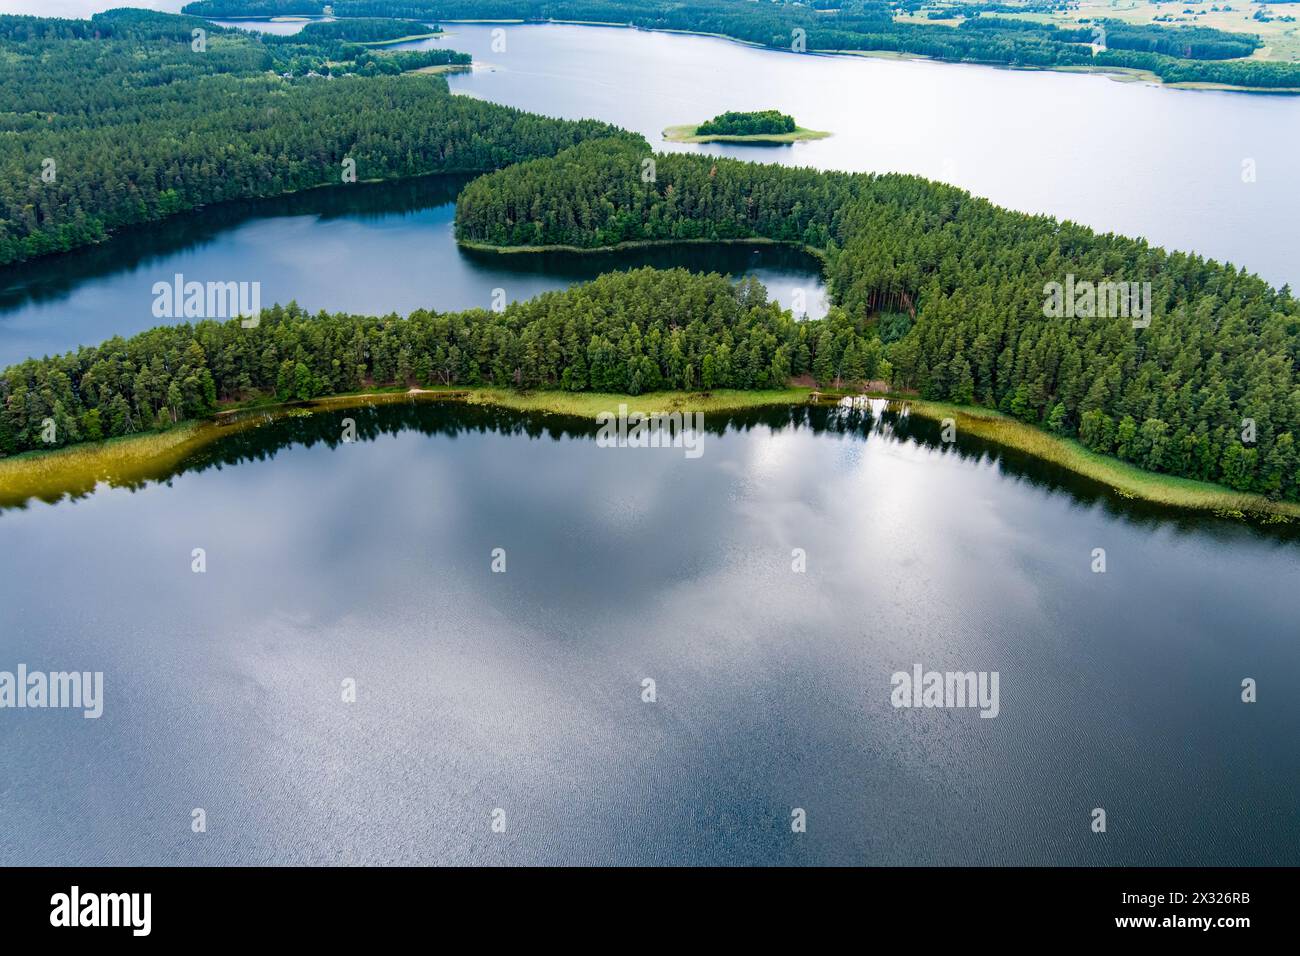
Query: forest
(117,120)
(1196,43)
(374,30)
(939,292)
(1174,54)
(953,289)
(625,332)
(346,47)
(732,123)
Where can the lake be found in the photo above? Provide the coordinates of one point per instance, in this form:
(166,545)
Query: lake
(369,248)
(1121,157)
(1165,164)
(522,690)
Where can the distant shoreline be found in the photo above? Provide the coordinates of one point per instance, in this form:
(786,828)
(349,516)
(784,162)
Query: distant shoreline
(1120,74)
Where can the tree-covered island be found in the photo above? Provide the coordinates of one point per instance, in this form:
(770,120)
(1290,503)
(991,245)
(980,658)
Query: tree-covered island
(763,126)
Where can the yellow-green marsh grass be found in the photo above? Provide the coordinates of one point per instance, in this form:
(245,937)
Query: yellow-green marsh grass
(1128,480)
(132,460)
(589,405)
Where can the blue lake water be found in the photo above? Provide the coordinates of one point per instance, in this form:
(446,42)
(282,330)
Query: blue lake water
(523,691)
(371,248)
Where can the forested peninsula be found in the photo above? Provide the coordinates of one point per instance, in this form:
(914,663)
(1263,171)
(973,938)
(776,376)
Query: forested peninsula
(1191,55)
(117,120)
(646,330)
(954,288)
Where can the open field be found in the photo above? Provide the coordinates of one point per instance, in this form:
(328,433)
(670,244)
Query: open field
(1281,39)
(1120,74)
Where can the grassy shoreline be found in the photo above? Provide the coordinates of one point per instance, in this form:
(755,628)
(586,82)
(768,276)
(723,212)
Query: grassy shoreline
(687,134)
(443,68)
(407,39)
(132,460)
(1127,480)
(476,246)
(136,459)
(1120,74)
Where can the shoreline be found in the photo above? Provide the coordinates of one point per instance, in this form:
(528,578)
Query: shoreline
(438,69)
(619,26)
(1116,74)
(1124,479)
(411,39)
(687,134)
(475,245)
(1121,74)
(114,233)
(136,460)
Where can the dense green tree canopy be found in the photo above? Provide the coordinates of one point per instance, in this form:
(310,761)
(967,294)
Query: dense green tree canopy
(956,287)
(732,123)
(625,332)
(363,30)
(936,290)
(119,120)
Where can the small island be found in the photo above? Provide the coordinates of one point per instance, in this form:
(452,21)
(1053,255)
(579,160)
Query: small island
(764,126)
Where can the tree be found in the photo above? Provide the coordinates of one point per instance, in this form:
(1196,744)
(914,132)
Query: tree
(303,385)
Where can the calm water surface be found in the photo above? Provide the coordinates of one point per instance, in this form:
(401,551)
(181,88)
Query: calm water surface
(522,690)
(1121,157)
(370,248)
(264,25)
